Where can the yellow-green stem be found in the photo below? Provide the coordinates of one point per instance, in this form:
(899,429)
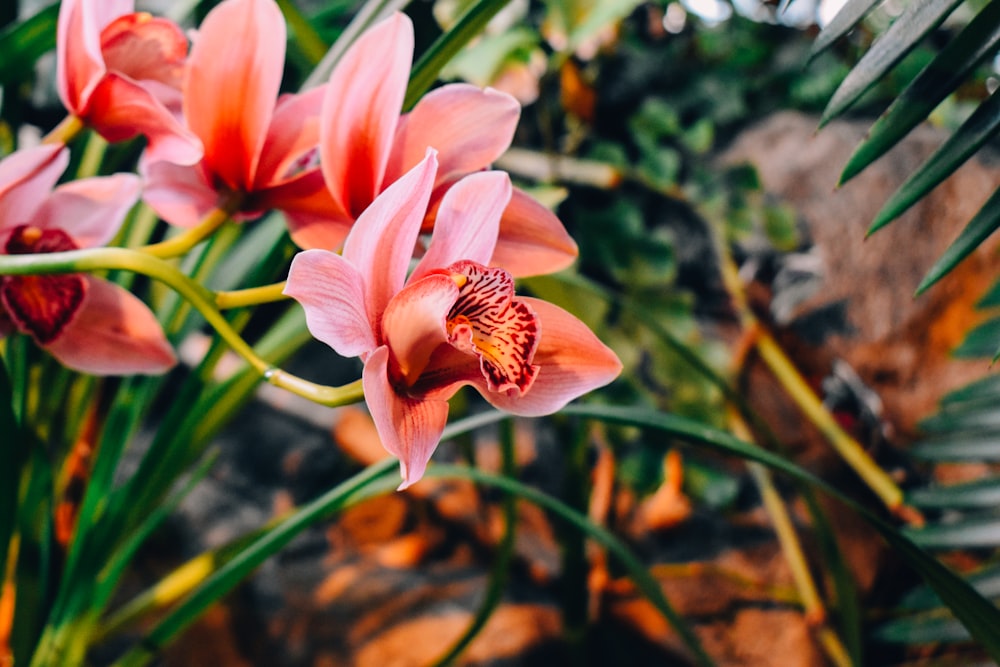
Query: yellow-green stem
(791,547)
(202,299)
(65,131)
(93,155)
(183,242)
(250,297)
(805,398)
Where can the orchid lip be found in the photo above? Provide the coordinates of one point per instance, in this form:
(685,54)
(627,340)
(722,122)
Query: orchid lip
(489,323)
(42,305)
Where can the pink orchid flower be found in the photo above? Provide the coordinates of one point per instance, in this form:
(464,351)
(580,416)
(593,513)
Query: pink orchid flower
(119,71)
(455,321)
(258,147)
(87,323)
(365,146)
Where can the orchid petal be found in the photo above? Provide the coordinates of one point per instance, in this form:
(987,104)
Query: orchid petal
(234,72)
(532,240)
(114,333)
(415,323)
(26,178)
(79,62)
(383,238)
(332,293)
(90,210)
(571,360)
(181,195)
(361,110)
(410,429)
(120,108)
(314,219)
(292,136)
(145,48)
(467,222)
(471,128)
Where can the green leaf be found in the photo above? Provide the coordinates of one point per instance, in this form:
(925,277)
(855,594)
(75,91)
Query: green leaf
(982,446)
(23,43)
(929,628)
(987,388)
(991,299)
(986,581)
(917,20)
(984,223)
(981,342)
(981,493)
(848,16)
(979,128)
(965,533)
(964,52)
(425,71)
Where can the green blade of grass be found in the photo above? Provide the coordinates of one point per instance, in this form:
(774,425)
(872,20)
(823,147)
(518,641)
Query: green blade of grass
(963,53)
(916,21)
(972,135)
(848,16)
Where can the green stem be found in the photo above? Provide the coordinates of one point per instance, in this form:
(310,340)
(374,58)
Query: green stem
(183,242)
(93,154)
(252,296)
(65,131)
(203,300)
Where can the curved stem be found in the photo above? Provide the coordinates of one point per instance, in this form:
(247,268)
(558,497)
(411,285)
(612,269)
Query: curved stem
(203,300)
(65,131)
(183,242)
(252,296)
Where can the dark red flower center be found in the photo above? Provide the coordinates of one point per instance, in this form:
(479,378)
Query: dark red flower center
(489,322)
(41,305)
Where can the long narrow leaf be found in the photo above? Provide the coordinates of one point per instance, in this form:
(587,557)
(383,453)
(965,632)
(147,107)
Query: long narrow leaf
(986,581)
(984,447)
(965,533)
(848,16)
(903,35)
(966,51)
(426,70)
(22,44)
(984,223)
(973,134)
(981,493)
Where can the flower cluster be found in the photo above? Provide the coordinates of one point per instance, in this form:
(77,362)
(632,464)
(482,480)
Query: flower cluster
(348,169)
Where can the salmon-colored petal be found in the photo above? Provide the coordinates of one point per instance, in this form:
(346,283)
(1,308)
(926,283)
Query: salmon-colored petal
(317,231)
(145,48)
(234,72)
(179,194)
(384,237)
(90,210)
(532,240)
(120,109)
(114,333)
(467,222)
(470,128)
(361,110)
(410,429)
(79,62)
(332,293)
(315,220)
(26,178)
(571,360)
(415,323)
(292,143)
